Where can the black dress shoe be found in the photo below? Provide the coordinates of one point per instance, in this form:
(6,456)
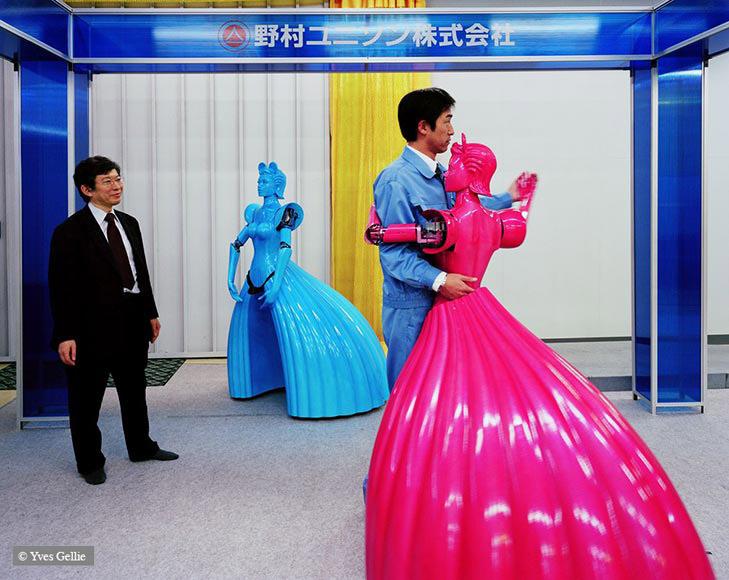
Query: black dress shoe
(160,455)
(163,455)
(96,477)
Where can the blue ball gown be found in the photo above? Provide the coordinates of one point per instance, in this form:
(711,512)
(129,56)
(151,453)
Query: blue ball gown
(312,341)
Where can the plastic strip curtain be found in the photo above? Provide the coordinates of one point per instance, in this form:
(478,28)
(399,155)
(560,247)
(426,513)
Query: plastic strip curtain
(365,138)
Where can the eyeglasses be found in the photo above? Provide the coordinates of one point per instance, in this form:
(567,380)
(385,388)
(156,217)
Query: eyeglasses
(108,181)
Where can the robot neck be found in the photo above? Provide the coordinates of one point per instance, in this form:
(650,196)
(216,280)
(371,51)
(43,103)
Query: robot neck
(465,197)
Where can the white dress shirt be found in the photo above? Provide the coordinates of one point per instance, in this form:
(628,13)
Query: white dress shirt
(100,216)
(432,165)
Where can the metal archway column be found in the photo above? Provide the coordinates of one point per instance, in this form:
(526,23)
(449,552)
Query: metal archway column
(53,135)
(669,323)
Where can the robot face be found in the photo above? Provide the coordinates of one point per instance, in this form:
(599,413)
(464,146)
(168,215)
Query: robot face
(265,183)
(271,180)
(472,165)
(457,177)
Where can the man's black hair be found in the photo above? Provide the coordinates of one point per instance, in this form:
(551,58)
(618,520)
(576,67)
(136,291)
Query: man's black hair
(87,171)
(421,105)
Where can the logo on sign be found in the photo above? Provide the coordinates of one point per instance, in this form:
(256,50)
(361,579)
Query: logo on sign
(234,36)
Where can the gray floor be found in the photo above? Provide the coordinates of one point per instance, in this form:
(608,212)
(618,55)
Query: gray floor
(609,363)
(256,494)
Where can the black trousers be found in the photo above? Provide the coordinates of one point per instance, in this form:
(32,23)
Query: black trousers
(124,356)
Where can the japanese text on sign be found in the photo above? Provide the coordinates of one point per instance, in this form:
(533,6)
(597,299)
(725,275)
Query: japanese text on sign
(425,36)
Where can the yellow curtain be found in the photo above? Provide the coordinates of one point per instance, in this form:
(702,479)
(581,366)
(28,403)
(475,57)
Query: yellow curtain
(377,4)
(365,137)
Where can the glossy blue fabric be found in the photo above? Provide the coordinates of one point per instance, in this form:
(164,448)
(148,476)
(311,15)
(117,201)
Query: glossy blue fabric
(311,341)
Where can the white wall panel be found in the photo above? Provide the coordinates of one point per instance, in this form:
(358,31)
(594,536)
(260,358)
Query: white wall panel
(314,154)
(227,210)
(197,229)
(107,129)
(571,278)
(9,214)
(716,157)
(189,148)
(168,277)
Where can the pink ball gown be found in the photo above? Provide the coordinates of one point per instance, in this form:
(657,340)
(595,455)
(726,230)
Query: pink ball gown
(497,459)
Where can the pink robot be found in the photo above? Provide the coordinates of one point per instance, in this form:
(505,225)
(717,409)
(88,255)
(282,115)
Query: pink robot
(495,457)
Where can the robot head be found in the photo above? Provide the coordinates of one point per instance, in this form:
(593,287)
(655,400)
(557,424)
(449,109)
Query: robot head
(472,165)
(271,180)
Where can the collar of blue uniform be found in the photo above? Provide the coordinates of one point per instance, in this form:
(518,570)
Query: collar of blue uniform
(414,159)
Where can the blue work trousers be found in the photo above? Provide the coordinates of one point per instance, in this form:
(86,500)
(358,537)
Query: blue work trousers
(401,327)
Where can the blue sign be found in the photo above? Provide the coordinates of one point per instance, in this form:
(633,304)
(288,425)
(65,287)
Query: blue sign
(347,36)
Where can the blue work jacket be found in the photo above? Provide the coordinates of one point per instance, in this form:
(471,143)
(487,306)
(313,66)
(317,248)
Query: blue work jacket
(403,188)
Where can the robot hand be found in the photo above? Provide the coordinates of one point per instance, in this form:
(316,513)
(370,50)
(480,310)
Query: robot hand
(526,184)
(270,294)
(514,222)
(234,292)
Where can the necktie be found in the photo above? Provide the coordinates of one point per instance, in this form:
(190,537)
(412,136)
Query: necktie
(119,252)
(439,176)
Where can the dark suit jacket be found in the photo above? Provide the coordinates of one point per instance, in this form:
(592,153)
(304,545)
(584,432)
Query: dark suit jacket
(87,297)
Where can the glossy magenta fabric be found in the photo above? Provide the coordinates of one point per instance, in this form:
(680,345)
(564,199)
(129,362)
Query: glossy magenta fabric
(497,459)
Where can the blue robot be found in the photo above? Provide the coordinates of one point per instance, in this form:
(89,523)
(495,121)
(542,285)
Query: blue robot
(289,329)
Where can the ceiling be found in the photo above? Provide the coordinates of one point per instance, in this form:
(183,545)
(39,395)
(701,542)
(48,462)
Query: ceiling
(455,4)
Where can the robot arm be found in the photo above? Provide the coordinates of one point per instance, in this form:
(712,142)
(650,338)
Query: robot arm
(514,222)
(432,236)
(233,258)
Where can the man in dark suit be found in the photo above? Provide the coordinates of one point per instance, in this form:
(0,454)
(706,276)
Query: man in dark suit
(104,316)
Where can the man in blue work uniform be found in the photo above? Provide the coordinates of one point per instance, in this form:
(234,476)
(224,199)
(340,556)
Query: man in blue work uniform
(413,182)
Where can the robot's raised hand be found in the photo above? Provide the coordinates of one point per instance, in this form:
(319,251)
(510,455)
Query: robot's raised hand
(526,183)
